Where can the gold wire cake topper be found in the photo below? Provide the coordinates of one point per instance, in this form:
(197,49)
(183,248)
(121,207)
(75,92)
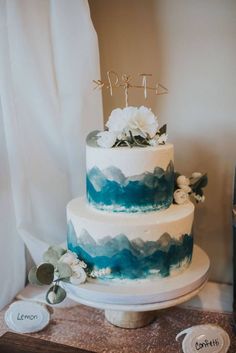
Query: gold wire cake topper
(125,82)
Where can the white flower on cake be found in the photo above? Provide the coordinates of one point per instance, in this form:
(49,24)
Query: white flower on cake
(69,258)
(106,139)
(180,196)
(118,121)
(131,126)
(189,187)
(78,276)
(77,266)
(185,188)
(144,123)
(182,180)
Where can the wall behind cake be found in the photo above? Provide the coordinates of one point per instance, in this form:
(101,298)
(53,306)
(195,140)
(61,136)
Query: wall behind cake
(190,47)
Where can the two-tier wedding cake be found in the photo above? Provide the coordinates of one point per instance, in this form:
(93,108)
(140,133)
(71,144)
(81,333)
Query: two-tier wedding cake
(136,220)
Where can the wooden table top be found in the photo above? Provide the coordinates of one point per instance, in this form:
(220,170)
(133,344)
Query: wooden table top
(86,328)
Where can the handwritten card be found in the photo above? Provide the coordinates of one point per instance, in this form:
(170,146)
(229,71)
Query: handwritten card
(26,317)
(205,339)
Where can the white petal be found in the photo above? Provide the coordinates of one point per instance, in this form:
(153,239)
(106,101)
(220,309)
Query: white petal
(106,139)
(69,258)
(185,188)
(79,276)
(180,196)
(182,180)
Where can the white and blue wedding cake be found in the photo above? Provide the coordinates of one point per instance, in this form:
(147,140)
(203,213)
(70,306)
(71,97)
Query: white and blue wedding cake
(136,219)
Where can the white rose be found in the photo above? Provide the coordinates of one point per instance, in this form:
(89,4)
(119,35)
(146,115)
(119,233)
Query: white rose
(106,139)
(119,119)
(162,139)
(182,180)
(144,123)
(69,258)
(185,188)
(196,175)
(78,276)
(180,196)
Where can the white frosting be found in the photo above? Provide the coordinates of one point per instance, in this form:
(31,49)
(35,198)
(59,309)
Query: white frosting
(131,161)
(176,220)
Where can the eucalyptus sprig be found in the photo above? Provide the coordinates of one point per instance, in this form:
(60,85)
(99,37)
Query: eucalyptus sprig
(62,266)
(54,270)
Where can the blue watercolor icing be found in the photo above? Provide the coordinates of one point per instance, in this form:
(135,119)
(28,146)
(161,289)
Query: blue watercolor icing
(110,190)
(131,259)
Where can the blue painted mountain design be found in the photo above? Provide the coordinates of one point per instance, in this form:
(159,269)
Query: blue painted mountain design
(111,190)
(131,259)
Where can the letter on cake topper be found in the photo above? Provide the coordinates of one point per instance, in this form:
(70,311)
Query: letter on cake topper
(125,83)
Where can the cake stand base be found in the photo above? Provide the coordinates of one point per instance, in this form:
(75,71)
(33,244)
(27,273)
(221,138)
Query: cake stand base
(133,304)
(130,319)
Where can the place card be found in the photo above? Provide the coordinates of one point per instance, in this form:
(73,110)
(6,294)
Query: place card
(26,317)
(204,339)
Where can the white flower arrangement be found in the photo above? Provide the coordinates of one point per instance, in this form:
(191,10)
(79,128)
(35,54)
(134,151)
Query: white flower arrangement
(132,126)
(62,266)
(78,275)
(186,187)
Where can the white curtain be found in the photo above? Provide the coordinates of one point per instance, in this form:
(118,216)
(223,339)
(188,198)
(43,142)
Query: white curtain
(49,57)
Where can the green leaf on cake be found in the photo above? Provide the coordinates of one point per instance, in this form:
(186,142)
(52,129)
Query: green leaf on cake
(60,251)
(55,295)
(199,184)
(64,270)
(45,273)
(32,277)
(51,256)
(162,130)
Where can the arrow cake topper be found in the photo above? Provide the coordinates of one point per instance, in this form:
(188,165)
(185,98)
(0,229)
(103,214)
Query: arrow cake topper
(125,82)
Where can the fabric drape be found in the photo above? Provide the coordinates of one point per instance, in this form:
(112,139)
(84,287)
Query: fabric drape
(49,57)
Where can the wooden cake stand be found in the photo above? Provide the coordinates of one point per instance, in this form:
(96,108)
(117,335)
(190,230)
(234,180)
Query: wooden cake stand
(133,304)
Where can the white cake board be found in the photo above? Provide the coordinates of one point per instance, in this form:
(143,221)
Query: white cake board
(133,304)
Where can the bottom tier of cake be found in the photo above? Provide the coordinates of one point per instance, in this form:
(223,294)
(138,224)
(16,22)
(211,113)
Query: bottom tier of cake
(132,246)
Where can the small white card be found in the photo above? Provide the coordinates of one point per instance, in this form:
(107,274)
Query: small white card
(26,317)
(205,339)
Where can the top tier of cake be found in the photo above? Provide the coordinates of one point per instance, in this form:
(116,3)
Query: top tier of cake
(123,179)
